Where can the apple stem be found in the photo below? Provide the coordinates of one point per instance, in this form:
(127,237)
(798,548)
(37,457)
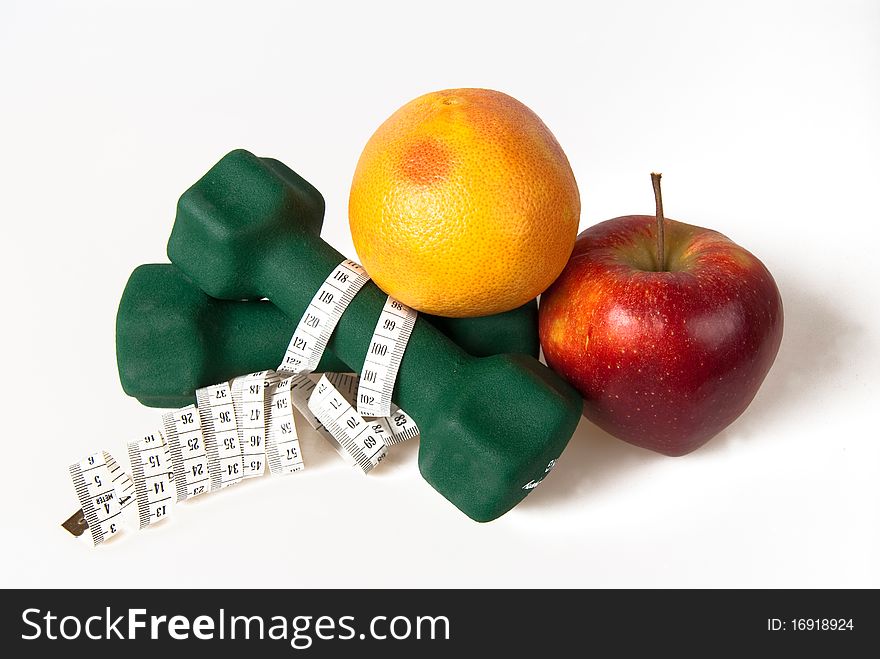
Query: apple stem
(661,233)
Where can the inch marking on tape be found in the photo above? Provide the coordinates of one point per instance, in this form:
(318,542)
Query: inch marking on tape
(364,441)
(323,313)
(189,459)
(220,430)
(153,478)
(383,358)
(104,491)
(248,399)
(282,440)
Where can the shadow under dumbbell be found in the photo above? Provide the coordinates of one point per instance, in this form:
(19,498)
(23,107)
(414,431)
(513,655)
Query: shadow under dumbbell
(591,459)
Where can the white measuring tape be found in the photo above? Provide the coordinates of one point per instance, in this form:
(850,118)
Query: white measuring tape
(400,425)
(236,429)
(202,449)
(358,440)
(363,441)
(189,457)
(383,358)
(153,478)
(282,440)
(318,322)
(104,490)
(249,404)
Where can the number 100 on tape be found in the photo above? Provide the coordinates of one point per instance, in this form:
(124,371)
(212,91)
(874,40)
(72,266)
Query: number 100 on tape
(383,358)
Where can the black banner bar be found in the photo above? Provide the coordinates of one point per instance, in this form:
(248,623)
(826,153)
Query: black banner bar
(436,622)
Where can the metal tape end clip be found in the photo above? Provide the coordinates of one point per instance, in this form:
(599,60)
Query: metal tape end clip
(76,524)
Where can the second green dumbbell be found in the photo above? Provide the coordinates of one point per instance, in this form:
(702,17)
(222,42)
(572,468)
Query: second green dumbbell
(172,339)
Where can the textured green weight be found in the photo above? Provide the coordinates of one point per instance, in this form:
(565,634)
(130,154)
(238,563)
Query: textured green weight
(514,331)
(171,338)
(490,426)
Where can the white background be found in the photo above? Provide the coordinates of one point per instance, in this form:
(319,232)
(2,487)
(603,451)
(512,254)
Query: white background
(763,117)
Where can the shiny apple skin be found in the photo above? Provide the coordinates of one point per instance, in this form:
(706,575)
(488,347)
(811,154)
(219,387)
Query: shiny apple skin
(664,360)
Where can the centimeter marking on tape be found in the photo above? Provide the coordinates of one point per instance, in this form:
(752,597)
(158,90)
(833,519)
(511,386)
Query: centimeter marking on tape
(383,358)
(153,478)
(220,430)
(319,320)
(403,427)
(121,480)
(249,403)
(364,441)
(189,458)
(282,440)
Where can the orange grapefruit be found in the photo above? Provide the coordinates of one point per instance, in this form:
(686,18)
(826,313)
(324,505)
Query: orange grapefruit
(463,204)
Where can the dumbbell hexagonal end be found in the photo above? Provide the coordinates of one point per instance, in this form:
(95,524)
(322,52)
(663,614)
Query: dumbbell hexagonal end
(172,339)
(230,219)
(501,437)
(161,313)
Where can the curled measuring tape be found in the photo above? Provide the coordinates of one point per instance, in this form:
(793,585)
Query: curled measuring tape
(362,440)
(401,426)
(236,428)
(348,428)
(104,491)
(231,434)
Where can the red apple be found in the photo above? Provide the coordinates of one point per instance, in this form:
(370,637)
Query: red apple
(668,351)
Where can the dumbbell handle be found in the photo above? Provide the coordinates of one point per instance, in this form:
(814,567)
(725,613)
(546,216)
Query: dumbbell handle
(172,339)
(436,354)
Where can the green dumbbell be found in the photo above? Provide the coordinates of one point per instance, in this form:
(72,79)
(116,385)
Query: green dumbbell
(491,427)
(172,339)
